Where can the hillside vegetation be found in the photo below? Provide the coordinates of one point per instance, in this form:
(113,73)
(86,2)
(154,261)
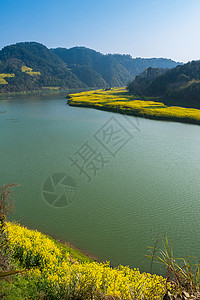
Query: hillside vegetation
(178,86)
(54,273)
(114,69)
(35,67)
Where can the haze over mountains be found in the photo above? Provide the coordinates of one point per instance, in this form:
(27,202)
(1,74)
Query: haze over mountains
(31,66)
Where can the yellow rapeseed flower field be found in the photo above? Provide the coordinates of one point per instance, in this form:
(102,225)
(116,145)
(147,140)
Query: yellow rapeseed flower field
(4,75)
(119,100)
(61,275)
(29,71)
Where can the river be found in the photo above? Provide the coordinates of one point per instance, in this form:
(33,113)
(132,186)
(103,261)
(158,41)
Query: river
(107,183)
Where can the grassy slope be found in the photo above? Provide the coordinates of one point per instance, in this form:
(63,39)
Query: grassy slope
(54,271)
(25,287)
(119,100)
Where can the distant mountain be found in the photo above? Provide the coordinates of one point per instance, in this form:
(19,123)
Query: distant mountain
(115,69)
(137,65)
(106,66)
(32,66)
(178,86)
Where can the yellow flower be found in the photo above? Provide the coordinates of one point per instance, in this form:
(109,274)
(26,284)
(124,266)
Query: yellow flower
(59,272)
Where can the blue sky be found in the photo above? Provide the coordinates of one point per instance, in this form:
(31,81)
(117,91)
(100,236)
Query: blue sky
(142,28)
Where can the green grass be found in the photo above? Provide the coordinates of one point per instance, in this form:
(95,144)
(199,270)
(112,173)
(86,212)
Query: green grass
(184,273)
(76,254)
(19,287)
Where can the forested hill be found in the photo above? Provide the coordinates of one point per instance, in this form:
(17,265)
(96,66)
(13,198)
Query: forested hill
(114,69)
(32,66)
(178,86)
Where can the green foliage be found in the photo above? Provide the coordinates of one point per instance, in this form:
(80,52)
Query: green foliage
(103,70)
(138,65)
(88,76)
(20,287)
(49,70)
(73,68)
(178,86)
(115,70)
(183,273)
(141,82)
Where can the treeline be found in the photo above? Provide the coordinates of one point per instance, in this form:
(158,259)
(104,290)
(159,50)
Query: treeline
(178,86)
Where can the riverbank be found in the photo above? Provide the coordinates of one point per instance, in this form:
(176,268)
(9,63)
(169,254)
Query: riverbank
(43,92)
(121,101)
(73,250)
(77,253)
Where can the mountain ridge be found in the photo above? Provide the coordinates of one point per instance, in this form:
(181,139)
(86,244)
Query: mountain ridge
(61,68)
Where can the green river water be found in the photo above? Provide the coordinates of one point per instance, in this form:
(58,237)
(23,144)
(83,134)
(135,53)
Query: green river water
(107,183)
